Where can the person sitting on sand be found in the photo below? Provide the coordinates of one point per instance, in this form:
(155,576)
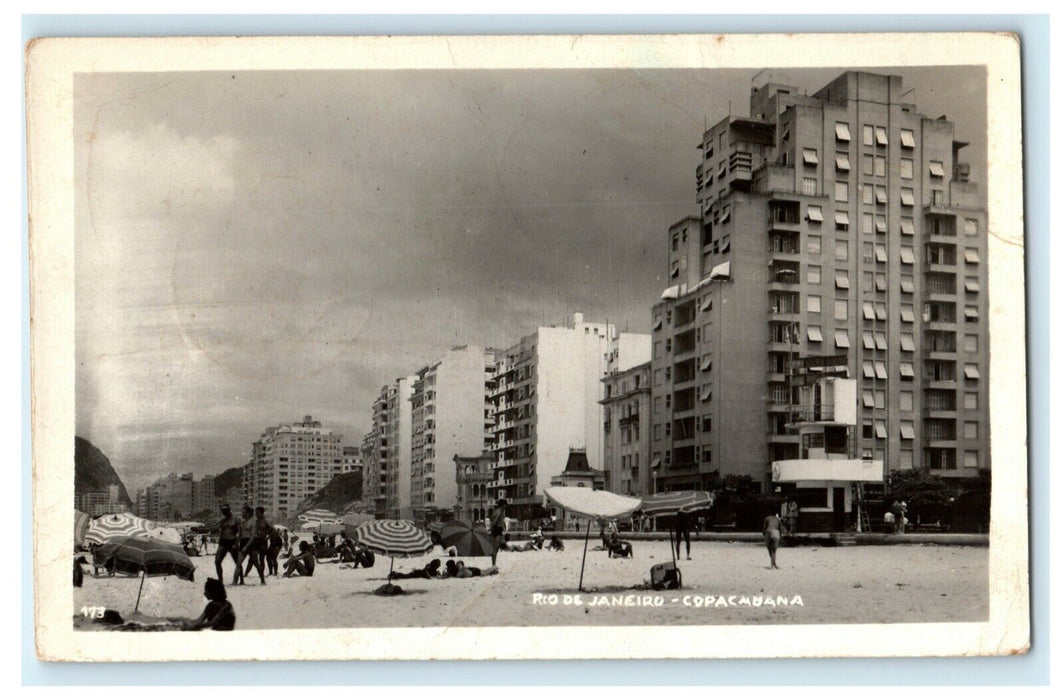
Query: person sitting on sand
(460,570)
(430,570)
(771,531)
(301,564)
(556,544)
(218,615)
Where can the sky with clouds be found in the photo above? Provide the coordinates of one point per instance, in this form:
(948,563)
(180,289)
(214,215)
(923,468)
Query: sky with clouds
(252,247)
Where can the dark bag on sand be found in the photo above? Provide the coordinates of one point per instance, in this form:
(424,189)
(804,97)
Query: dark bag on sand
(665,577)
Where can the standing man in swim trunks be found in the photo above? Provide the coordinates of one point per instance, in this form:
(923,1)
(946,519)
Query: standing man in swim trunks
(261,531)
(498,528)
(247,529)
(771,531)
(228,540)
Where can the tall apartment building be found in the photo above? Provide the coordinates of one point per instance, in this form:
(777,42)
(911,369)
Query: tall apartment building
(290,462)
(837,231)
(626,424)
(450,413)
(547,392)
(176,497)
(96,503)
(351,458)
(386,475)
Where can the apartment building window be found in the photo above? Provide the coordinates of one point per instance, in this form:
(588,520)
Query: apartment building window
(842,251)
(812,274)
(867,433)
(868,370)
(881,194)
(906,168)
(881,429)
(971,313)
(868,340)
(842,279)
(971,371)
(840,309)
(971,227)
(971,285)
(866,224)
(881,253)
(658,377)
(881,398)
(971,459)
(937,170)
(907,432)
(842,191)
(842,132)
(868,193)
(867,400)
(907,255)
(908,344)
(905,400)
(707,424)
(971,430)
(842,163)
(907,227)
(868,135)
(971,401)
(971,256)
(938,197)
(815,336)
(906,459)
(907,140)
(842,339)
(971,343)
(907,285)
(881,166)
(907,197)
(881,340)
(815,214)
(881,283)
(907,313)
(812,304)
(813,244)
(809,186)
(809,156)
(867,254)
(881,136)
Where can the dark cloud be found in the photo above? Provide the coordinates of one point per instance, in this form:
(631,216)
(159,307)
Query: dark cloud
(257,247)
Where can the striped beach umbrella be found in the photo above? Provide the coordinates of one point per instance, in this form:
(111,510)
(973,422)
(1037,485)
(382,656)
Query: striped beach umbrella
(144,556)
(108,527)
(673,502)
(81,527)
(393,538)
(468,540)
(319,515)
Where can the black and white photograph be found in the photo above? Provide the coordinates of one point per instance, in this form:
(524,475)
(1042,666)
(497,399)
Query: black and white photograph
(537,345)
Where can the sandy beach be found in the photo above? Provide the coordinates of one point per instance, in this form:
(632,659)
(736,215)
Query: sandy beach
(724,583)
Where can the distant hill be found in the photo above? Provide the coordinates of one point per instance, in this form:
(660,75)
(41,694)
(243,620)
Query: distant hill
(343,491)
(93,471)
(228,479)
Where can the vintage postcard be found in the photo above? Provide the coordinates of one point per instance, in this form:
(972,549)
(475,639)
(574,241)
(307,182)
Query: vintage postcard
(528,347)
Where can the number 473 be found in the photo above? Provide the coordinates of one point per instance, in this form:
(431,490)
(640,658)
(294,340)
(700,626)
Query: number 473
(95,611)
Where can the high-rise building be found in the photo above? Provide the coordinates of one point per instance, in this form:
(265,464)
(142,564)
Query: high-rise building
(838,234)
(473,476)
(547,392)
(351,457)
(451,413)
(387,471)
(169,498)
(290,462)
(626,423)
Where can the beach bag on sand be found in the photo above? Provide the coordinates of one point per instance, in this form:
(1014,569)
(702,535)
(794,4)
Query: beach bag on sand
(665,576)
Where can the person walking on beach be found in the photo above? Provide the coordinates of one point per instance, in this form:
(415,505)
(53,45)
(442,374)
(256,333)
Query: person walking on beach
(247,528)
(771,531)
(273,550)
(498,528)
(261,530)
(228,540)
(682,526)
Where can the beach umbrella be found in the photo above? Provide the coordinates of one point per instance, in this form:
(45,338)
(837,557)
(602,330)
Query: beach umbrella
(81,527)
(468,540)
(592,505)
(144,556)
(318,515)
(393,538)
(108,527)
(673,503)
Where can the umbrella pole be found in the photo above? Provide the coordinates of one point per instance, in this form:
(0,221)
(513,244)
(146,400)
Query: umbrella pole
(586,537)
(143,573)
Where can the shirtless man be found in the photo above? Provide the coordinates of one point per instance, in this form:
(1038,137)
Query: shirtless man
(228,540)
(255,550)
(247,529)
(771,531)
(498,528)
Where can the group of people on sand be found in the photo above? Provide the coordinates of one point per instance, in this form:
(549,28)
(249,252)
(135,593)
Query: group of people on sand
(450,569)
(253,543)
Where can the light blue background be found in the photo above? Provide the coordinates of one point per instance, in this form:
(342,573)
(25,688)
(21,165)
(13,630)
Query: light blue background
(1024,670)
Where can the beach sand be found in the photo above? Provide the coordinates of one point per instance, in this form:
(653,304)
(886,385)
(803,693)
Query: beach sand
(858,584)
